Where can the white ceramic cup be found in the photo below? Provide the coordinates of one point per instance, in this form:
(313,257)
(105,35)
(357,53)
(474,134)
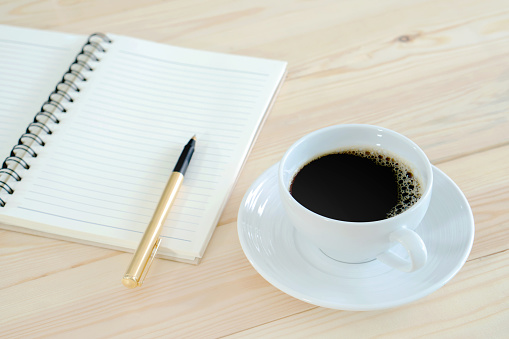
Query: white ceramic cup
(359,242)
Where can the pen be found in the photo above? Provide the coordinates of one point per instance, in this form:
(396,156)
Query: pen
(144,255)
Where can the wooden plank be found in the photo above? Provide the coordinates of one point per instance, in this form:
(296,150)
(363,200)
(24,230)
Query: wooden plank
(222,295)
(475,304)
(484,179)
(26,257)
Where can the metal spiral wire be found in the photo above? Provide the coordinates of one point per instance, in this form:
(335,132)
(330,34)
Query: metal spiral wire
(49,112)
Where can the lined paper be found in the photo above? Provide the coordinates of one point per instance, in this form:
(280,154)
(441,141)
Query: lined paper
(31,65)
(104,172)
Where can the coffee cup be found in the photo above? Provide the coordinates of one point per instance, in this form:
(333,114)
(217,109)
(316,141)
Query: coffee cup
(350,241)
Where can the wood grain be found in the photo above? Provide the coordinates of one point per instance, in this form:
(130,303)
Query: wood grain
(482,285)
(215,298)
(434,70)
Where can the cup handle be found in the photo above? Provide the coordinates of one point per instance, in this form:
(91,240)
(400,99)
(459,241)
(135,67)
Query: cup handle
(414,246)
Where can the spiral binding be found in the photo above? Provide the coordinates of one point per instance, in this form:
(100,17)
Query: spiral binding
(48,111)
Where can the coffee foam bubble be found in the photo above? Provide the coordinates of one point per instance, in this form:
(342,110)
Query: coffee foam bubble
(409,185)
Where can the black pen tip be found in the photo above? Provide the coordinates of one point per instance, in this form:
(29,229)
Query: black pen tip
(194,137)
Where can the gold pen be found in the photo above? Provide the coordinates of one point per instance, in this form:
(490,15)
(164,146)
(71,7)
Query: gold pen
(144,255)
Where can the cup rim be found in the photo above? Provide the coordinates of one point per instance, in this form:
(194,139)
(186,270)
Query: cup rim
(421,153)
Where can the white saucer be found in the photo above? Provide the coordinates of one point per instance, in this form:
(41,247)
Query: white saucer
(287,261)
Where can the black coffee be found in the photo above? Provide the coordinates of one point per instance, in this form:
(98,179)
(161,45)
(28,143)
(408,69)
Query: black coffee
(356,185)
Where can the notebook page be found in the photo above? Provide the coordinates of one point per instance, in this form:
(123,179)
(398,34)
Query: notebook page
(32,63)
(104,174)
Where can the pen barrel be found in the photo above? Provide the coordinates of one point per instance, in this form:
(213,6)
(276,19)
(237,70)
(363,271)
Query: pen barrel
(140,262)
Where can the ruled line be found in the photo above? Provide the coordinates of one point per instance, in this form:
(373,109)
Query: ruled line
(94,223)
(29,54)
(24,73)
(114,170)
(133,61)
(88,212)
(131,135)
(23,88)
(24,43)
(90,197)
(114,150)
(163,163)
(151,113)
(183,189)
(94,197)
(191,181)
(163,149)
(8,115)
(191,65)
(163,157)
(183,83)
(162,91)
(109,136)
(101,186)
(161,182)
(189,91)
(167,105)
(116,210)
(32,66)
(60,175)
(86,204)
(166,78)
(60,206)
(31,81)
(135,125)
(168,95)
(12,95)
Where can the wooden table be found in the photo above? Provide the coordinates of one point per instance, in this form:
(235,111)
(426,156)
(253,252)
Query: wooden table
(436,71)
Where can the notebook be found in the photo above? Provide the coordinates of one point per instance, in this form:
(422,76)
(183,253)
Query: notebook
(92,126)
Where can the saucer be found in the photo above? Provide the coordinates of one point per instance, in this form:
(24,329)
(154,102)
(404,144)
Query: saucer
(292,264)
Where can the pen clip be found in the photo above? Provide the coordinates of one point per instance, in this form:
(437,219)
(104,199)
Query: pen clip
(149,262)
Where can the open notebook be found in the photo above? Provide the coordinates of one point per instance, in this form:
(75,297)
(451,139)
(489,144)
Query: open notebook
(119,111)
